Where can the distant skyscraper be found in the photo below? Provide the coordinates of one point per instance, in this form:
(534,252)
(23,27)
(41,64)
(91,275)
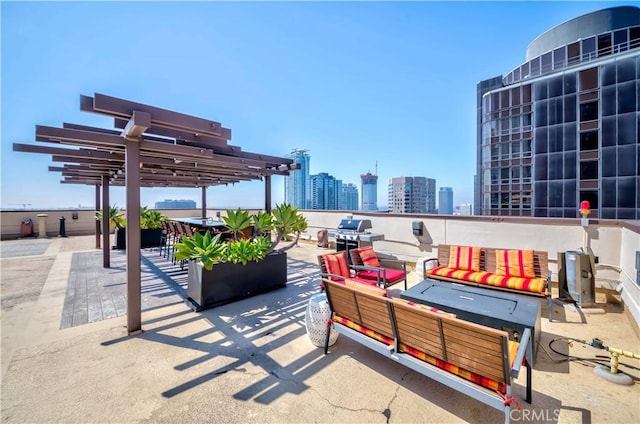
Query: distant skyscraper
(445,201)
(176,204)
(465,209)
(349,197)
(296,185)
(431,196)
(369,192)
(562,127)
(325,191)
(411,194)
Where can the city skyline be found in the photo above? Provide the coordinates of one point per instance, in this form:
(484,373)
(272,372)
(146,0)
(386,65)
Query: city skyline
(319,75)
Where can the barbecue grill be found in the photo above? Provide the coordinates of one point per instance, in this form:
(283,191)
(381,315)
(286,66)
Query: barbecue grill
(353,233)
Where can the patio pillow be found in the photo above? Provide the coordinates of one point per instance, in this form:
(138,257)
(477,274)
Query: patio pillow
(464,257)
(515,263)
(368,257)
(337,264)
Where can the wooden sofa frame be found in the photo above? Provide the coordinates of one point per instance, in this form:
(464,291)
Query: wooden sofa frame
(488,263)
(470,346)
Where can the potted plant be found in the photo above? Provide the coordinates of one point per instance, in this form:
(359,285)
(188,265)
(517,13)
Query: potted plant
(150,229)
(116,220)
(221,271)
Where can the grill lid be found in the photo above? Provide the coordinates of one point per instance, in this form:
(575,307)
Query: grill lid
(358,225)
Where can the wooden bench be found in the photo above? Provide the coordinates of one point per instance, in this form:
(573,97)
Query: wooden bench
(473,359)
(488,264)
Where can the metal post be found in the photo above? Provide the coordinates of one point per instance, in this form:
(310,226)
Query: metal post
(97,222)
(132,172)
(204,202)
(267,193)
(106,260)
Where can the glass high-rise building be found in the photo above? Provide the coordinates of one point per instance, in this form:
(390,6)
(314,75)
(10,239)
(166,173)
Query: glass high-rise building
(325,191)
(445,201)
(175,204)
(296,184)
(564,126)
(349,197)
(369,192)
(412,195)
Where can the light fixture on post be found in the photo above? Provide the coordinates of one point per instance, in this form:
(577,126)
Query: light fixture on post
(585,210)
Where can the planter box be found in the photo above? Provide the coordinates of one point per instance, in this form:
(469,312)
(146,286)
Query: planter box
(148,238)
(227,282)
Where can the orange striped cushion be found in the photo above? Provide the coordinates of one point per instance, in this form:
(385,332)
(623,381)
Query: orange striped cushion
(337,264)
(464,257)
(368,257)
(515,263)
(535,285)
(364,330)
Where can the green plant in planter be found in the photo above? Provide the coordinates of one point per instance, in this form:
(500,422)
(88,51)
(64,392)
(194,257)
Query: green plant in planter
(262,224)
(115,217)
(243,251)
(206,249)
(151,219)
(237,221)
(284,219)
(287,220)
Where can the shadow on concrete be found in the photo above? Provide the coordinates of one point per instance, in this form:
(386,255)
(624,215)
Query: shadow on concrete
(249,331)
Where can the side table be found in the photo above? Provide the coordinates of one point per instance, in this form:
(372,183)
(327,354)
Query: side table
(315,320)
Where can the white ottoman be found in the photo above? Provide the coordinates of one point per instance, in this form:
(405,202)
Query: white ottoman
(315,320)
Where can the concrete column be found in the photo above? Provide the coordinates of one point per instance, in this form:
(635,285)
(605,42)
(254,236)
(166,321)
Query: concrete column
(42,225)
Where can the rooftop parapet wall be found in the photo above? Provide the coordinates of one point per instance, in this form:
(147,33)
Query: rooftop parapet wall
(614,242)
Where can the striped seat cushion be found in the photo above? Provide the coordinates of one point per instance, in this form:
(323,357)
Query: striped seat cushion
(464,257)
(515,263)
(364,330)
(461,372)
(535,285)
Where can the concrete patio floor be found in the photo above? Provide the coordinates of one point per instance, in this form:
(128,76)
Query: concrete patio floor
(251,361)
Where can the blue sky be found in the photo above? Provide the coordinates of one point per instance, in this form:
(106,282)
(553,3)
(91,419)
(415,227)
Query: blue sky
(354,83)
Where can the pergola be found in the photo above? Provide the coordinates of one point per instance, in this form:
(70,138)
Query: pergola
(149,147)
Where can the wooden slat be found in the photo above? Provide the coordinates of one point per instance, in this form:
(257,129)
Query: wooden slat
(374,313)
(342,301)
(475,348)
(419,329)
(467,345)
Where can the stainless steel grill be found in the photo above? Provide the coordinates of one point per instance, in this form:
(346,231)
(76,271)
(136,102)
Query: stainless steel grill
(353,233)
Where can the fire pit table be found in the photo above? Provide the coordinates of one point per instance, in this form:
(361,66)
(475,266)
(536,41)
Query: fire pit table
(503,311)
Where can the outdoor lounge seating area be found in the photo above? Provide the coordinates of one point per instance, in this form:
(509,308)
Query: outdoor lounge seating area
(252,358)
(514,270)
(472,359)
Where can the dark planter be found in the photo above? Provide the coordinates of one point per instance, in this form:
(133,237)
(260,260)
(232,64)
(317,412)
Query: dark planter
(227,282)
(148,238)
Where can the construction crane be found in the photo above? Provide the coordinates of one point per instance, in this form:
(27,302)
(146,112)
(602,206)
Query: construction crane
(24,205)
